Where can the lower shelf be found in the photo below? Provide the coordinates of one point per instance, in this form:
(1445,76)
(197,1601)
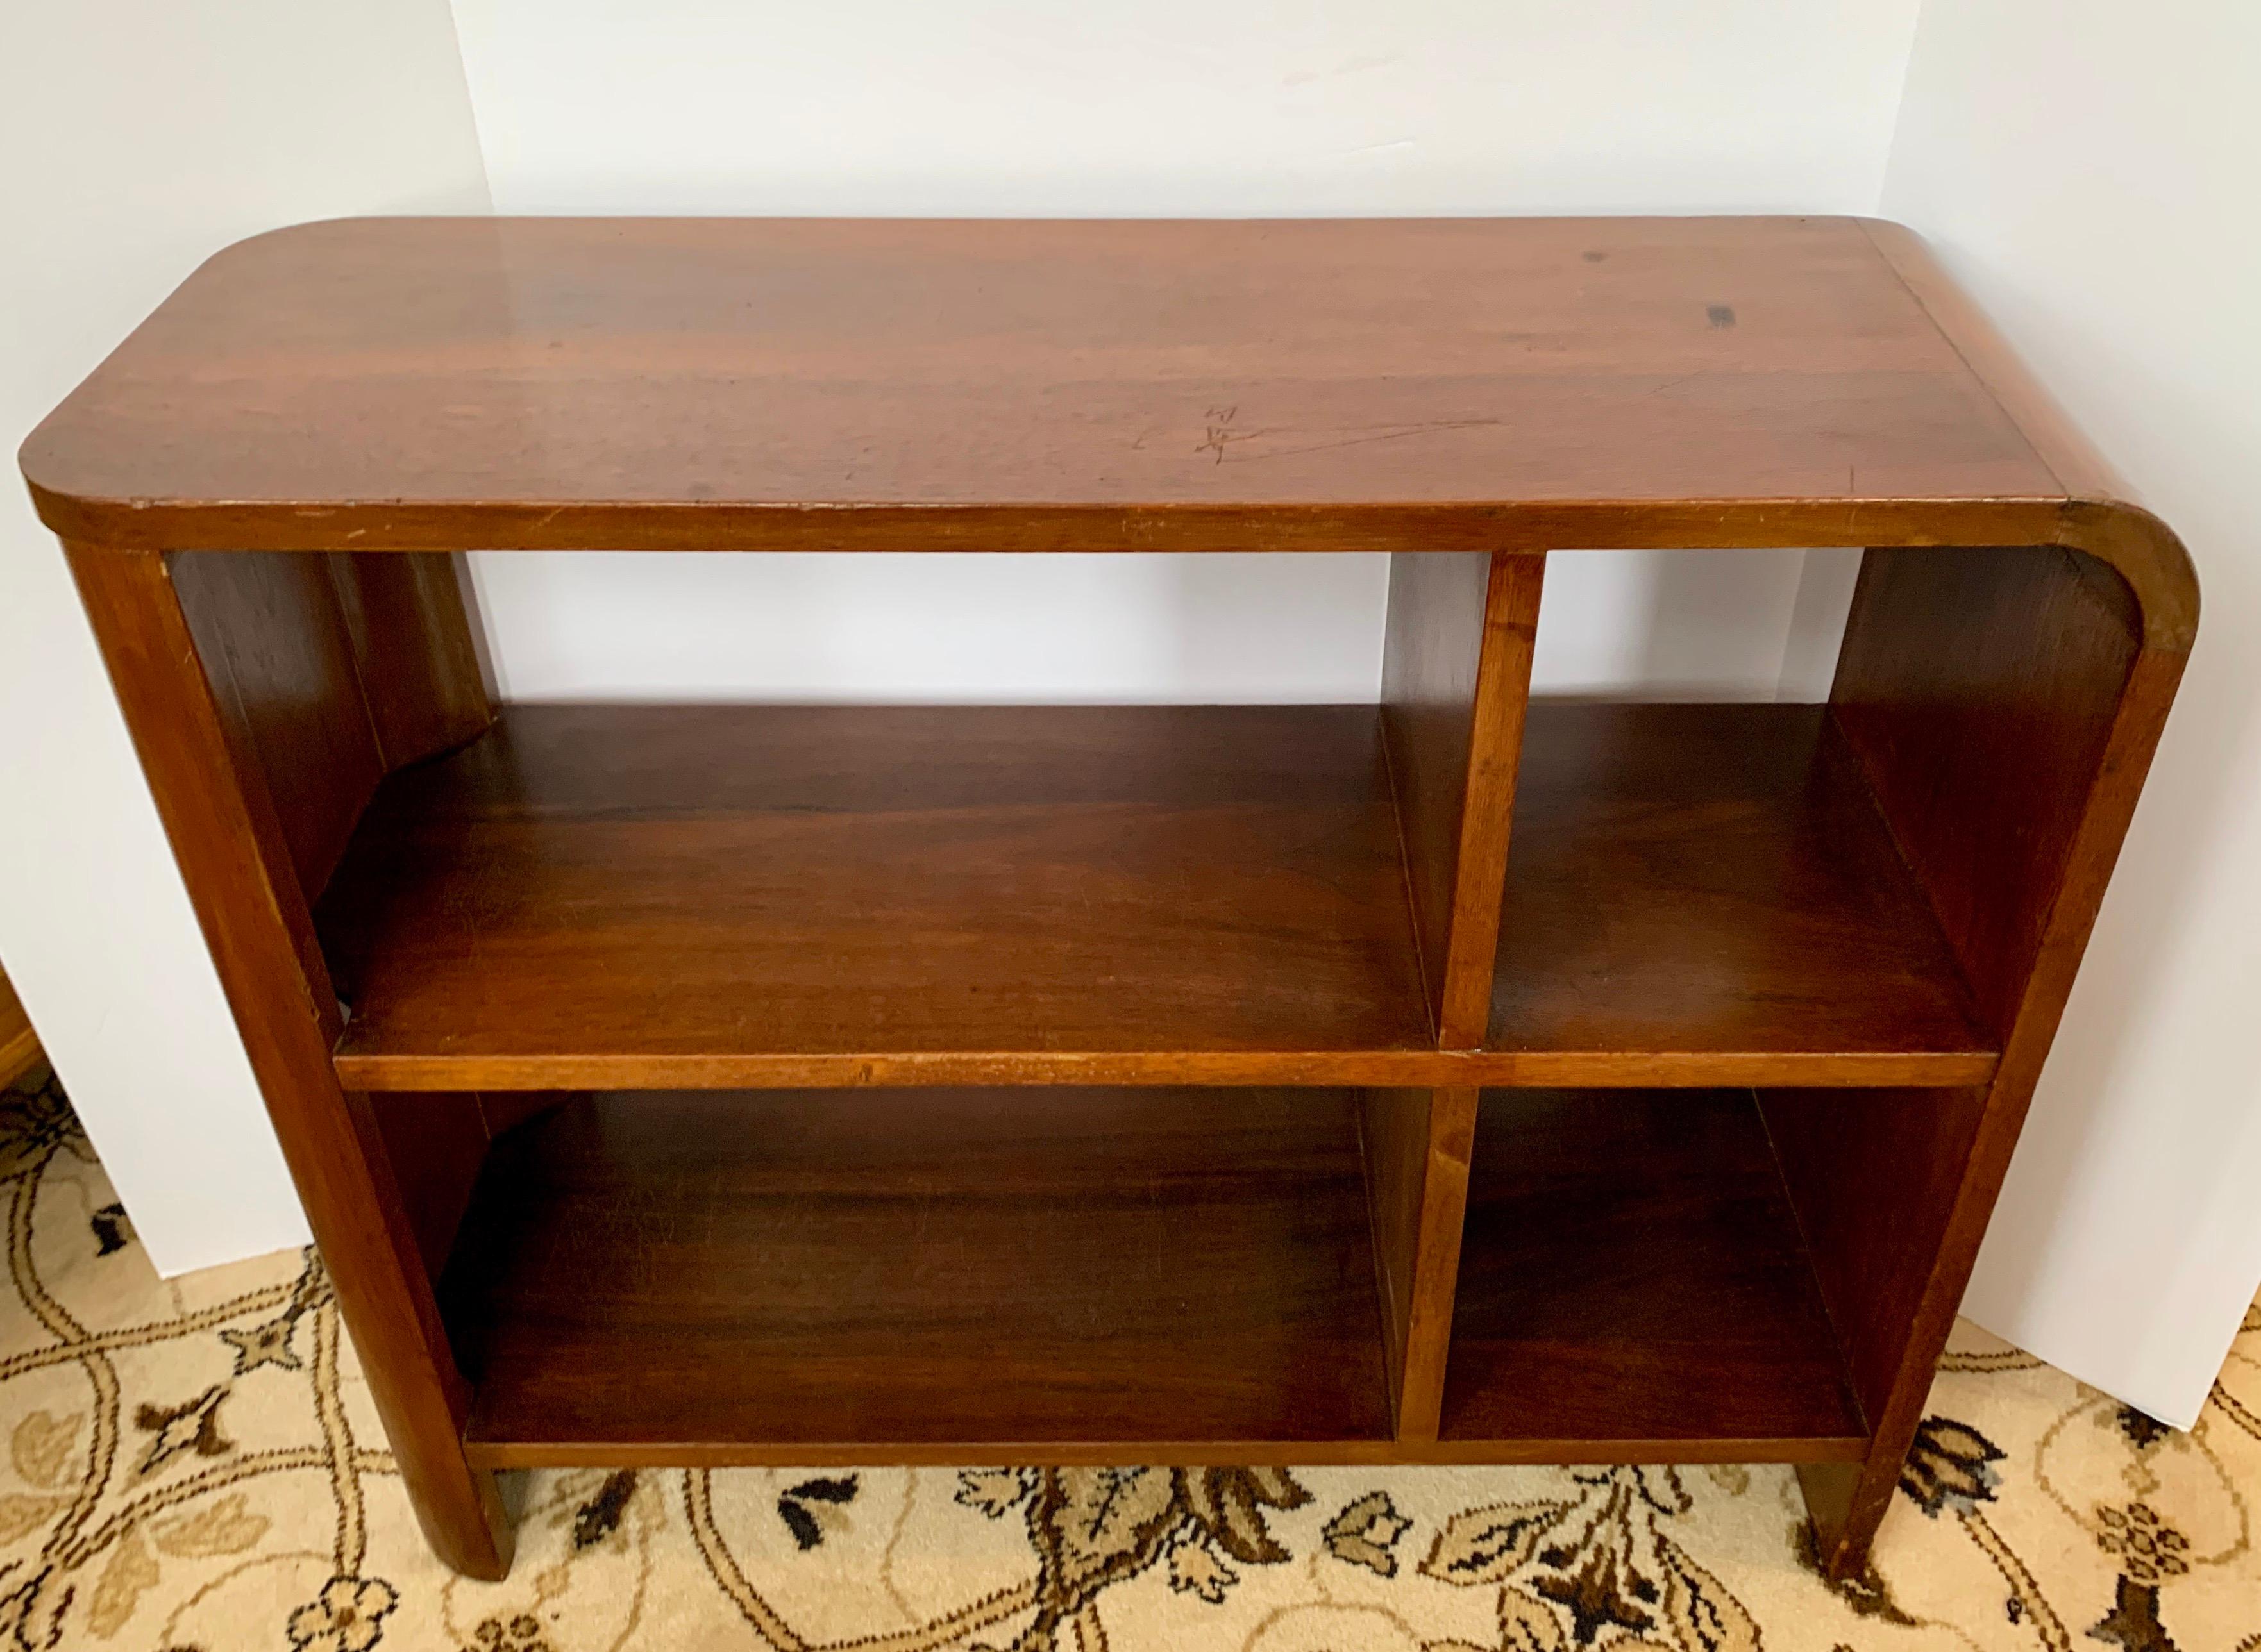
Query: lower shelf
(1122,1275)
(1632,1284)
(644,1277)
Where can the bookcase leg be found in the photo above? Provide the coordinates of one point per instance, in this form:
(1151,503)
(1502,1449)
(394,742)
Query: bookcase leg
(238,864)
(1417,1144)
(1846,1504)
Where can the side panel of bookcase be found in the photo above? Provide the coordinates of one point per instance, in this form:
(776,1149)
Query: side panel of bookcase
(242,858)
(2004,703)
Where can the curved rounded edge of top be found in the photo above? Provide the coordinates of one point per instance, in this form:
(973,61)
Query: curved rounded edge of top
(2150,556)
(63,509)
(310,229)
(43,458)
(2100,516)
(2065,450)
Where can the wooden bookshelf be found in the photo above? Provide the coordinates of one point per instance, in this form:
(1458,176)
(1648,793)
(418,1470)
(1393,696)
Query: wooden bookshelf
(1462,1077)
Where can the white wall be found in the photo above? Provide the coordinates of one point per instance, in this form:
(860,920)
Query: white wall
(1155,107)
(1159,107)
(2090,170)
(1063,629)
(139,138)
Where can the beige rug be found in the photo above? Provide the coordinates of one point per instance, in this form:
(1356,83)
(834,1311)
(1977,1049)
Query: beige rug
(195,1464)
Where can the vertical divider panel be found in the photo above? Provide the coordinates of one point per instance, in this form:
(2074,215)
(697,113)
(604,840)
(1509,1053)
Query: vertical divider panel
(1455,681)
(1417,1144)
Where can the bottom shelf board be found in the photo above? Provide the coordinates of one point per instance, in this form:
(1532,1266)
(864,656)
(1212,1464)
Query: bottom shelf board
(1123,1276)
(1631,1270)
(643,1274)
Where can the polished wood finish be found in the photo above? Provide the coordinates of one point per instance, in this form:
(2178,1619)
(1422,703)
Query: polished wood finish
(1870,911)
(1970,688)
(2026,688)
(733,383)
(329,671)
(239,866)
(1417,1144)
(1632,1270)
(668,895)
(19,1045)
(1715,879)
(1706,894)
(416,651)
(2006,705)
(283,673)
(436,1144)
(1455,678)
(1872,1182)
(832,1267)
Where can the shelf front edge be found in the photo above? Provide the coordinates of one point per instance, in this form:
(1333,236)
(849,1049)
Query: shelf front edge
(496,1454)
(1499,1068)
(591,524)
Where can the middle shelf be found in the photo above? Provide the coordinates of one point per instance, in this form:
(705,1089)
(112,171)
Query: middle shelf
(715,896)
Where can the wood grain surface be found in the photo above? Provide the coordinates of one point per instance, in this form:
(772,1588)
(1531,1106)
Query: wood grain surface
(1712,877)
(237,861)
(438,382)
(830,1267)
(662,883)
(1457,644)
(1417,1144)
(1631,1267)
(720,896)
(2004,703)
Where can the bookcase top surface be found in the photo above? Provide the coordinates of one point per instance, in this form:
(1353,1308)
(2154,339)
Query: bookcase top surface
(1037,385)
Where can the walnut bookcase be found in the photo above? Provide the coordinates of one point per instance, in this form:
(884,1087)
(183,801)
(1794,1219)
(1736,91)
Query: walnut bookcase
(1457,1079)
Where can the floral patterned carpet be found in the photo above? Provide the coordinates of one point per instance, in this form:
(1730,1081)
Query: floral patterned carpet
(194,1464)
